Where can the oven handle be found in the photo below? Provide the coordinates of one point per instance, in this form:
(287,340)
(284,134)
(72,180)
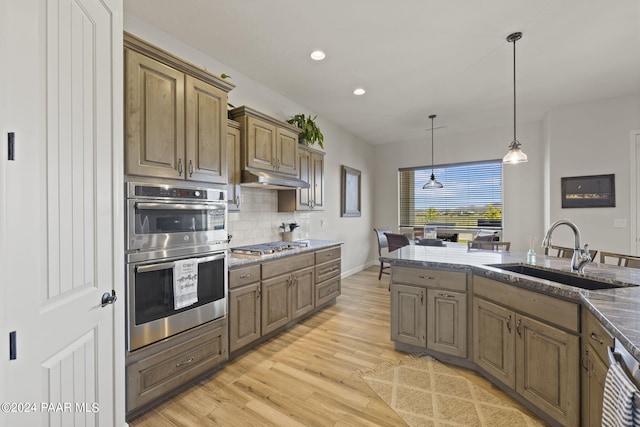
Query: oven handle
(167,265)
(176,206)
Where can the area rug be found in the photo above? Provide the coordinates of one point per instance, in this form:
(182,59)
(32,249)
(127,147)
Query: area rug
(425,392)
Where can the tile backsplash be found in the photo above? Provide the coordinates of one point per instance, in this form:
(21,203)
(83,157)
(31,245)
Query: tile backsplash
(259,219)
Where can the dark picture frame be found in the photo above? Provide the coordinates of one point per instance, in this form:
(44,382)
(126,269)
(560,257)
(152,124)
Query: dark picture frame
(350,205)
(593,191)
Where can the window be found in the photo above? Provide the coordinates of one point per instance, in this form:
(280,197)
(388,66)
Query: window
(471,197)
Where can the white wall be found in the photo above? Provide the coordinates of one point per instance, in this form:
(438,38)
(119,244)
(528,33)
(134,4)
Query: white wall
(259,219)
(593,139)
(522,184)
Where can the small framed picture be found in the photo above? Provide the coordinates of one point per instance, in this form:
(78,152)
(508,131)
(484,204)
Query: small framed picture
(351,183)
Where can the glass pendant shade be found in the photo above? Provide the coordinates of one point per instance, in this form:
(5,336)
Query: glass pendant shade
(515,155)
(433,183)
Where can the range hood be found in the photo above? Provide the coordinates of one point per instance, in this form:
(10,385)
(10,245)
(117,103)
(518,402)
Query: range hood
(271,180)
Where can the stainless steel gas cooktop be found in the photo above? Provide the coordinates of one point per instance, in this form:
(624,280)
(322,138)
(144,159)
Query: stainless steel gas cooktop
(269,248)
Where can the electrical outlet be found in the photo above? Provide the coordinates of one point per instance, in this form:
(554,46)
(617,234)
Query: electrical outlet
(620,223)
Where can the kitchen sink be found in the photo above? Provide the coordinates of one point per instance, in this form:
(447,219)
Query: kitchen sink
(559,277)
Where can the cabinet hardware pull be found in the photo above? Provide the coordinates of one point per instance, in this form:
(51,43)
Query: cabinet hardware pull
(244,276)
(421,298)
(238,201)
(446,295)
(186,362)
(509,323)
(190,168)
(427,277)
(179,167)
(594,337)
(584,359)
(518,327)
(259,293)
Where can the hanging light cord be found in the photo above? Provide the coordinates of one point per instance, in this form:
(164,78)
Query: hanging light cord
(514,90)
(432,117)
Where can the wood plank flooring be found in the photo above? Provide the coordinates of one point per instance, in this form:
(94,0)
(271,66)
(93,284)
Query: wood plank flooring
(306,376)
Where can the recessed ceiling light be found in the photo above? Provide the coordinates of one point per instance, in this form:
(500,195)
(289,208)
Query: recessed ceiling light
(359,91)
(317,55)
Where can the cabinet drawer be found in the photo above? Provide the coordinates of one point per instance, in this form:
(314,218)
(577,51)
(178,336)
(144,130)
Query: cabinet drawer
(451,280)
(327,291)
(244,276)
(325,255)
(594,333)
(154,376)
(552,310)
(287,265)
(327,270)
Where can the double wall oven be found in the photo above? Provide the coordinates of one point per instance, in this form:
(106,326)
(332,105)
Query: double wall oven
(176,259)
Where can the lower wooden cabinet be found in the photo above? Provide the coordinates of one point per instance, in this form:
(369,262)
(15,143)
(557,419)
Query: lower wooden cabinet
(157,370)
(428,310)
(595,364)
(263,298)
(538,360)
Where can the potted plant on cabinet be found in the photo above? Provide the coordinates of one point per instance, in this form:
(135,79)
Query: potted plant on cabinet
(310,132)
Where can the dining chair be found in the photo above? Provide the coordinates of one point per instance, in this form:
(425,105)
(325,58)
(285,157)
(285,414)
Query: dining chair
(382,243)
(564,252)
(488,246)
(396,241)
(621,260)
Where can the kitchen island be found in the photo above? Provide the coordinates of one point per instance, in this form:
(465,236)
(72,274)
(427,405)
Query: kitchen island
(543,342)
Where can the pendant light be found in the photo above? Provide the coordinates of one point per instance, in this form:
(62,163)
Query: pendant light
(432,184)
(515,155)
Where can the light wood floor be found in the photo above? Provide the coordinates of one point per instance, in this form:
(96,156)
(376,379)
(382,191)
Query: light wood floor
(304,376)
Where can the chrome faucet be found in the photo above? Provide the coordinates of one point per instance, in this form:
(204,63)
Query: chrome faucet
(580,256)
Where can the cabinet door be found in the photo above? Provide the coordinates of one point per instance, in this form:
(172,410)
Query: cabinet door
(206,126)
(260,144)
(287,151)
(317,181)
(154,118)
(276,303)
(593,377)
(494,341)
(302,292)
(447,322)
(408,315)
(233,168)
(244,316)
(304,173)
(547,363)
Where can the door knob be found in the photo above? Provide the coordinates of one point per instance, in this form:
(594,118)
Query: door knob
(109,298)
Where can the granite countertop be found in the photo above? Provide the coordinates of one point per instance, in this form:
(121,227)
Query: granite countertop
(237,260)
(618,309)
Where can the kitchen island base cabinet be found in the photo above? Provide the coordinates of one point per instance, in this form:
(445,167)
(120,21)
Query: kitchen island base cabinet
(538,360)
(158,370)
(429,309)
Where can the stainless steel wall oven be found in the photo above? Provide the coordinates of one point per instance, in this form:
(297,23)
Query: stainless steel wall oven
(176,262)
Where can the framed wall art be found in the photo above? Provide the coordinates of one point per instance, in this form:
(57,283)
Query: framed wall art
(350,201)
(594,191)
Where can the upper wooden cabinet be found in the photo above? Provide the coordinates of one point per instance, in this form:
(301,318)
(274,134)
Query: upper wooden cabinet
(233,165)
(311,170)
(175,116)
(267,143)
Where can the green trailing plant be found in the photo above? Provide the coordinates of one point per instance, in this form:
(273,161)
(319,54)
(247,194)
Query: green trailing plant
(310,131)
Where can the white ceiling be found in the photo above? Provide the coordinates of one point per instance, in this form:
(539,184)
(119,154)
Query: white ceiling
(416,57)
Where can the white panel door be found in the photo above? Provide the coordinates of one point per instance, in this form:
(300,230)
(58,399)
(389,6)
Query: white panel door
(60,216)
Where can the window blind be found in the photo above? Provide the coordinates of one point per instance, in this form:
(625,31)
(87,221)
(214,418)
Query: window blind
(471,197)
